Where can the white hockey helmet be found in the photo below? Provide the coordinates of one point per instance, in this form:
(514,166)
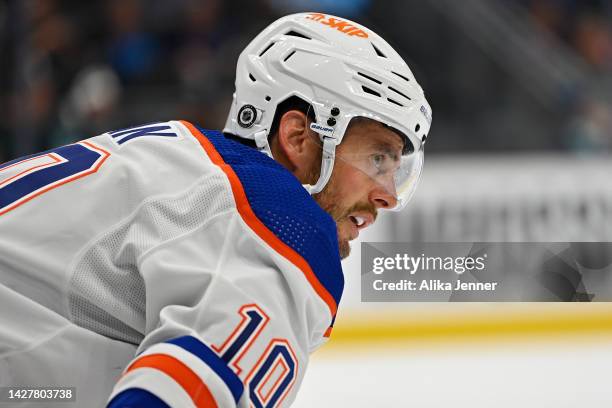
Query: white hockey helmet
(343,70)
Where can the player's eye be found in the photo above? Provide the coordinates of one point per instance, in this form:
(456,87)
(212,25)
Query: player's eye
(380,162)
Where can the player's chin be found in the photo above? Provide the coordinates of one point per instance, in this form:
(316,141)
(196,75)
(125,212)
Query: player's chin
(344,236)
(344,247)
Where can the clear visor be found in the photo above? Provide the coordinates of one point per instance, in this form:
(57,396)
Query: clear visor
(390,166)
(396,175)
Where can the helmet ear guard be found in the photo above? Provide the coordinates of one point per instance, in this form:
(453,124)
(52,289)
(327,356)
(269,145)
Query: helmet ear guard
(327,165)
(340,69)
(262,143)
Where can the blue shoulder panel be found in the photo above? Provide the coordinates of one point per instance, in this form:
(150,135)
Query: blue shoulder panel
(285,208)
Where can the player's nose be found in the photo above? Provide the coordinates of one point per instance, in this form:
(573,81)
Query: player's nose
(381,197)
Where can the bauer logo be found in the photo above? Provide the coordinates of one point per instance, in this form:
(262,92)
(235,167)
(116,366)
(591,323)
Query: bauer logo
(322,130)
(343,26)
(425,113)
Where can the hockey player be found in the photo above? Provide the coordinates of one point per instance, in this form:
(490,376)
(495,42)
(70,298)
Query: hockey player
(165,265)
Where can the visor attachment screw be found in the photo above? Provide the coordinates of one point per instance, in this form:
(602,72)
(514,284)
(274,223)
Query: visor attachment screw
(331,121)
(335,111)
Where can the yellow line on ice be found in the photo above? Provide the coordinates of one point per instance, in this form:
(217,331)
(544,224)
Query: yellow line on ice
(442,327)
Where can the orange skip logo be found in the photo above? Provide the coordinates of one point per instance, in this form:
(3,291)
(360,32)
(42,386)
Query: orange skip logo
(340,25)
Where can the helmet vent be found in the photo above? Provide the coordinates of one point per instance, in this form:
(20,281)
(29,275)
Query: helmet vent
(266,49)
(296,34)
(398,92)
(289,56)
(395,102)
(369,77)
(378,52)
(401,76)
(370,91)
(252,77)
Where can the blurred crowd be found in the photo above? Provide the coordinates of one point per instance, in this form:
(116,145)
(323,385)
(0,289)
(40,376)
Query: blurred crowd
(586,27)
(71,69)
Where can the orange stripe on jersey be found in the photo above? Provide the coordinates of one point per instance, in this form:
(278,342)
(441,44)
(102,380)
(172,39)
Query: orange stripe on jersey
(179,372)
(247,214)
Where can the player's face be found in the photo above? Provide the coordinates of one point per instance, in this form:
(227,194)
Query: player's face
(362,180)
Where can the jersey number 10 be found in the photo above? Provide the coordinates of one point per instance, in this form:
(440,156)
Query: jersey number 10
(275,371)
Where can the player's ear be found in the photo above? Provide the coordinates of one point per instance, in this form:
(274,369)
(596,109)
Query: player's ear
(295,141)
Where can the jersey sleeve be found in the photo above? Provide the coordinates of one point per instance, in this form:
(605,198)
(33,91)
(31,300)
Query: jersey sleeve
(230,322)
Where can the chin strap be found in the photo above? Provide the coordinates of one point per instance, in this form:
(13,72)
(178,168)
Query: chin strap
(261,140)
(327,165)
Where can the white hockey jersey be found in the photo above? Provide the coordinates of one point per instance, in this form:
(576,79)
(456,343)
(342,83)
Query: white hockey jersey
(162,266)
